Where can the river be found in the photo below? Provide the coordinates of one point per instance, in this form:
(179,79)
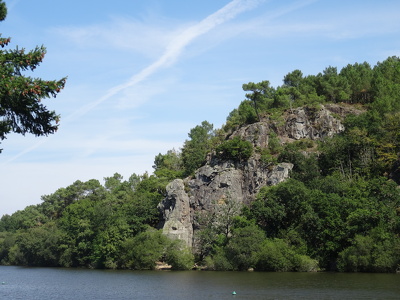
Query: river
(57,283)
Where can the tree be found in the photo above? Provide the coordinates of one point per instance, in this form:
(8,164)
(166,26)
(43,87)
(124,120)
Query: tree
(292,81)
(359,76)
(36,247)
(21,109)
(261,93)
(244,245)
(168,165)
(277,255)
(386,85)
(179,256)
(235,149)
(216,225)
(144,250)
(378,251)
(54,205)
(333,86)
(194,151)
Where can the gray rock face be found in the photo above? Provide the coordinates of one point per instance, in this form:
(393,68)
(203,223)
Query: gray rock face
(210,185)
(240,182)
(175,209)
(312,124)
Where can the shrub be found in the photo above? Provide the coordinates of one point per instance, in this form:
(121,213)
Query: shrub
(235,149)
(218,261)
(277,255)
(267,159)
(304,263)
(274,144)
(179,256)
(143,250)
(274,256)
(243,246)
(376,252)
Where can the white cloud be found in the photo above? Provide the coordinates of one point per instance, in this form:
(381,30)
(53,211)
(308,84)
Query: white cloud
(140,93)
(173,50)
(120,33)
(137,86)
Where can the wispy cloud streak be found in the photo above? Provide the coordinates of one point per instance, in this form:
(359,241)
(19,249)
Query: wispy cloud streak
(175,48)
(171,54)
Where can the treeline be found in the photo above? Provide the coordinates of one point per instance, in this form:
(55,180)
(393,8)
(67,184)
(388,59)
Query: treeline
(91,225)
(374,87)
(339,211)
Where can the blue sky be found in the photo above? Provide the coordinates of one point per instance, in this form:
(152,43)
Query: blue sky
(142,73)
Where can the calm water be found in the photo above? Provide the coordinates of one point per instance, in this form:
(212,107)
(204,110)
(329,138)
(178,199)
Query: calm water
(47,283)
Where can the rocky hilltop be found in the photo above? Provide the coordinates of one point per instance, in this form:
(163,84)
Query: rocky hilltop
(220,181)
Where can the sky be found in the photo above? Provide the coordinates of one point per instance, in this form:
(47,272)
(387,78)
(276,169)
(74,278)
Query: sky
(142,73)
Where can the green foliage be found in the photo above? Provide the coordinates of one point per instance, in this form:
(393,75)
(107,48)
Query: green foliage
(359,78)
(218,261)
(92,221)
(3,11)
(267,159)
(21,109)
(243,246)
(194,151)
(385,86)
(244,114)
(339,211)
(305,164)
(327,214)
(334,87)
(179,256)
(378,87)
(36,247)
(31,216)
(261,96)
(376,252)
(216,225)
(247,248)
(53,205)
(274,144)
(235,149)
(143,250)
(169,165)
(278,256)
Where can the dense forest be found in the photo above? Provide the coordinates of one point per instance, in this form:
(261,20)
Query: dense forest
(339,211)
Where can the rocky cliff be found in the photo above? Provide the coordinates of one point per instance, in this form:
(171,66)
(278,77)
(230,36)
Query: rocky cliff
(219,181)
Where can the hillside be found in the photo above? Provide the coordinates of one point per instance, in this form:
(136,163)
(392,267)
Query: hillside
(302,177)
(221,180)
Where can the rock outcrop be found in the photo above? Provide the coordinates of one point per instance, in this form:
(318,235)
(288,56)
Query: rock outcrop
(219,180)
(176,212)
(187,199)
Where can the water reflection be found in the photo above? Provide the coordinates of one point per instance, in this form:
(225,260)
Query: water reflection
(44,283)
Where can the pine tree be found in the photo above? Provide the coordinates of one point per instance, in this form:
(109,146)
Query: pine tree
(21,109)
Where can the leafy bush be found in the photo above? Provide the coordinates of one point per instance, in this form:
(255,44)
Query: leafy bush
(144,250)
(218,261)
(179,256)
(304,263)
(273,143)
(235,149)
(267,159)
(376,252)
(278,255)
(244,245)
